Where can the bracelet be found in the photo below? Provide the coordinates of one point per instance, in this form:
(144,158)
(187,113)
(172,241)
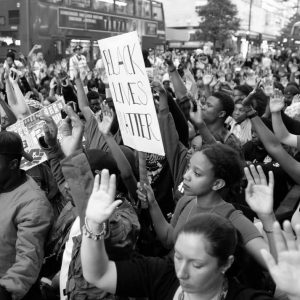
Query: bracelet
(267,231)
(90,234)
(173,70)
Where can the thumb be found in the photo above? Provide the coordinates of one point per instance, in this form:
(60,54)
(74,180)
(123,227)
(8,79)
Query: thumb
(114,205)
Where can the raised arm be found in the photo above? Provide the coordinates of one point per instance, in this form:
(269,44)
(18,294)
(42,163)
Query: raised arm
(96,266)
(124,166)
(281,132)
(286,269)
(175,151)
(34,48)
(50,144)
(259,196)
(199,124)
(82,98)
(10,115)
(275,149)
(179,86)
(163,229)
(19,101)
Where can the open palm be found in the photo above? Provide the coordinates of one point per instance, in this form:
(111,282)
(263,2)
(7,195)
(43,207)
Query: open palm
(286,270)
(105,119)
(259,193)
(277,101)
(72,132)
(101,203)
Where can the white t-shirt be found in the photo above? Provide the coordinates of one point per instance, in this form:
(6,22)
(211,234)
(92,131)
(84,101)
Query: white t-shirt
(67,256)
(80,63)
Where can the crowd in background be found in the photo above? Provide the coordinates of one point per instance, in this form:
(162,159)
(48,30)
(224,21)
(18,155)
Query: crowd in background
(216,218)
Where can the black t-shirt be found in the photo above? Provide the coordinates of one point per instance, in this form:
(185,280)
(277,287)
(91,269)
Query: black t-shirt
(150,277)
(155,278)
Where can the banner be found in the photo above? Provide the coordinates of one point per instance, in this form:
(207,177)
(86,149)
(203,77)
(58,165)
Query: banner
(131,92)
(31,128)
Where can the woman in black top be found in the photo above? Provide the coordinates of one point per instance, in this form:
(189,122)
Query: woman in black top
(204,251)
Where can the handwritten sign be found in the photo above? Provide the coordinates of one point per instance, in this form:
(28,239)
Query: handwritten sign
(131,92)
(31,129)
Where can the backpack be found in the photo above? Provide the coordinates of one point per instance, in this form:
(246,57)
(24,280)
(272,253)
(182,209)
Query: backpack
(123,232)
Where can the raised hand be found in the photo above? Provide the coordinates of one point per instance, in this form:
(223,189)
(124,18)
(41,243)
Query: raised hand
(268,87)
(102,202)
(207,77)
(53,83)
(13,75)
(37,46)
(196,114)
(277,101)
(50,130)
(259,193)
(72,132)
(145,193)
(248,100)
(286,271)
(105,119)
(168,59)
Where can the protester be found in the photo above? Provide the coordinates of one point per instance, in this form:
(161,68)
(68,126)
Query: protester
(26,217)
(216,113)
(204,249)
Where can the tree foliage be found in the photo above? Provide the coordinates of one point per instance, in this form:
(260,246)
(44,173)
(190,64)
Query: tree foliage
(220,20)
(286,30)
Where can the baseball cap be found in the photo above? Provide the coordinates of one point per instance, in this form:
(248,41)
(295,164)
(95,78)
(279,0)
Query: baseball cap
(11,144)
(77,47)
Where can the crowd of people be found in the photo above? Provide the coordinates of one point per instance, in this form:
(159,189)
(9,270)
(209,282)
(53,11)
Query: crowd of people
(100,220)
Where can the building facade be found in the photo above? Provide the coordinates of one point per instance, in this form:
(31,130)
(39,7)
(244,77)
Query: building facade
(261,20)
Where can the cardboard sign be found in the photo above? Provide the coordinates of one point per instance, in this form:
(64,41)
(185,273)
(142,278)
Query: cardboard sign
(131,92)
(31,128)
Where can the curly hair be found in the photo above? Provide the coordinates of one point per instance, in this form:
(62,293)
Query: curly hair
(226,163)
(226,103)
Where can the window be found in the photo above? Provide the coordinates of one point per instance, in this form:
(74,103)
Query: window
(103,5)
(143,8)
(157,11)
(13,17)
(124,7)
(53,1)
(2,20)
(79,3)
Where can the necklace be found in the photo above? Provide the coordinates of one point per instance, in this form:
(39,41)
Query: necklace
(221,296)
